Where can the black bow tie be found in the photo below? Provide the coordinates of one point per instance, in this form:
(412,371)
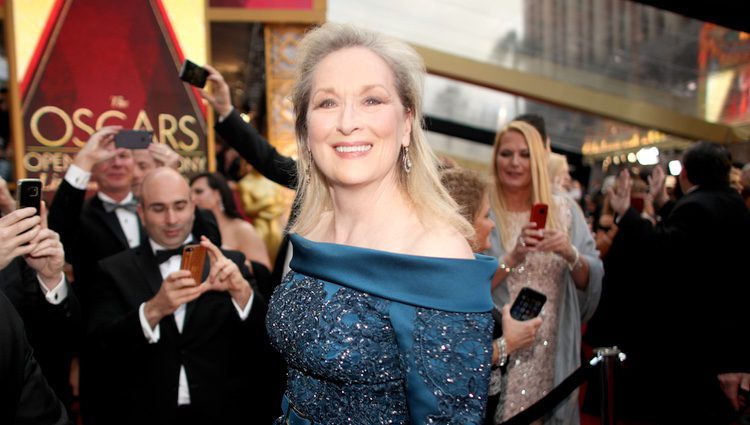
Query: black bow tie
(163,255)
(131,205)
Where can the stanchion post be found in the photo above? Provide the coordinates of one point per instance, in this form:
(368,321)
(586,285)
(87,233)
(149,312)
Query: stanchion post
(609,357)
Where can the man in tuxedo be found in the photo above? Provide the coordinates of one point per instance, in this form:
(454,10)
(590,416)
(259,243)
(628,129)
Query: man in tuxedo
(31,276)
(180,352)
(25,396)
(107,223)
(698,359)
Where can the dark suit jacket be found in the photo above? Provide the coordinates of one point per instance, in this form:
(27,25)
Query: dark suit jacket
(280,169)
(256,150)
(232,371)
(50,328)
(697,304)
(25,397)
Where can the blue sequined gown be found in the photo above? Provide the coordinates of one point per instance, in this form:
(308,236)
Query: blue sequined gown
(373,337)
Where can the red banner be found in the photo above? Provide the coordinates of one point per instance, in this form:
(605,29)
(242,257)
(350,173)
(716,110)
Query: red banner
(102,62)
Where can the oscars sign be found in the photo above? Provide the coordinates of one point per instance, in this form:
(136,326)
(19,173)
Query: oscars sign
(79,65)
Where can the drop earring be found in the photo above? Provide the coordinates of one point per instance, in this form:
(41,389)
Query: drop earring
(406,160)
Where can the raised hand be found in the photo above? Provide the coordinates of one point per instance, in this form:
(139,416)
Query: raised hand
(619,194)
(99,148)
(165,155)
(17,230)
(48,256)
(219,98)
(177,289)
(225,275)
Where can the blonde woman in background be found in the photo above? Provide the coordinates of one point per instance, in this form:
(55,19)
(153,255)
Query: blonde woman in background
(559,261)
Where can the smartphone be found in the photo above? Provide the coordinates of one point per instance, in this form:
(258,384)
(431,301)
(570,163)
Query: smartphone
(193,259)
(29,193)
(193,74)
(539,215)
(133,139)
(528,304)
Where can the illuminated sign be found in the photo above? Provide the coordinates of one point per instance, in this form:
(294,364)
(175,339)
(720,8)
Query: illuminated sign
(79,65)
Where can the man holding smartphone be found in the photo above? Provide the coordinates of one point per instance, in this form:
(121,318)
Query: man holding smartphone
(180,351)
(99,227)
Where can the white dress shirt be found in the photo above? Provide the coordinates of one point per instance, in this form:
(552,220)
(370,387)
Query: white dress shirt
(57,294)
(153,335)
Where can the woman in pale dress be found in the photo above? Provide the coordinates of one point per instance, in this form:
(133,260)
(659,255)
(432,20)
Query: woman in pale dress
(560,261)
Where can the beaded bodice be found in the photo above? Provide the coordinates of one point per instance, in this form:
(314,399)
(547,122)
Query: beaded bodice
(372,337)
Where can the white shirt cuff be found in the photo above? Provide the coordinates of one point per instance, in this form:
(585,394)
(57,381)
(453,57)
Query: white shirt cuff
(152,335)
(246,311)
(57,294)
(223,117)
(77,177)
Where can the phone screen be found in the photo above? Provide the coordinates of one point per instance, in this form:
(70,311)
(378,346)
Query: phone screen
(528,304)
(30,193)
(193,74)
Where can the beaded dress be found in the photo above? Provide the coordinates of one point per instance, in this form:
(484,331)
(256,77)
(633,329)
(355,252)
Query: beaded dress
(530,373)
(373,337)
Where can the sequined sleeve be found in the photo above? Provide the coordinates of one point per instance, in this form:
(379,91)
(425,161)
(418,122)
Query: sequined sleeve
(447,361)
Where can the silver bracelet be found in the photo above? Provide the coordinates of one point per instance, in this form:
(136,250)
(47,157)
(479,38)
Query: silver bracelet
(502,349)
(574,265)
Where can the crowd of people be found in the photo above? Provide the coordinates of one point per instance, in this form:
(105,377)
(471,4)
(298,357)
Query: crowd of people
(389,300)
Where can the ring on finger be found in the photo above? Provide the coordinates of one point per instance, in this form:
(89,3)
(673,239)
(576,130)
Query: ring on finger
(521,241)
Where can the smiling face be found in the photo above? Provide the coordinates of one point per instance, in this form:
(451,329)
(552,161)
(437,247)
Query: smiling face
(513,161)
(357,123)
(115,176)
(166,210)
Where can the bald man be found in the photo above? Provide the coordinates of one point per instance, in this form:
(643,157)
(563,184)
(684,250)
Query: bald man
(181,351)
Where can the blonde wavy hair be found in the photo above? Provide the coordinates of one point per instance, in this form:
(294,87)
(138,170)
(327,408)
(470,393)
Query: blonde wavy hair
(540,181)
(422,185)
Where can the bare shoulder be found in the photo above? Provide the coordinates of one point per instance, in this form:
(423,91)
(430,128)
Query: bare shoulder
(443,242)
(242,227)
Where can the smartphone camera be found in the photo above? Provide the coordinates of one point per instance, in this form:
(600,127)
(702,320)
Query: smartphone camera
(30,194)
(193,74)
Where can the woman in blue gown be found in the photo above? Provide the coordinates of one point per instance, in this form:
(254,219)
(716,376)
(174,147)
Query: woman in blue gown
(385,315)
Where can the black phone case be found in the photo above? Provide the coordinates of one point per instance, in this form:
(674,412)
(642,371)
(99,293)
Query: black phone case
(528,304)
(193,74)
(30,194)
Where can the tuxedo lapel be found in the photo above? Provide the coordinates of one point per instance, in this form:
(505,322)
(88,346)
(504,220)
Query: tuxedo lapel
(145,262)
(110,220)
(149,268)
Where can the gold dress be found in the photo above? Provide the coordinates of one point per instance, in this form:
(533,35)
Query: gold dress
(530,372)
